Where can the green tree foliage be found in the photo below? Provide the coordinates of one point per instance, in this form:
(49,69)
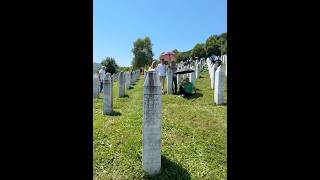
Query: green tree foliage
(216,44)
(179,57)
(142,51)
(110,64)
(224,48)
(198,51)
(125,69)
(223,42)
(212,46)
(182,56)
(175,51)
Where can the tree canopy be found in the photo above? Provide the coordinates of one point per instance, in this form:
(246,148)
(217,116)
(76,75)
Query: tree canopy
(142,51)
(110,64)
(214,45)
(198,51)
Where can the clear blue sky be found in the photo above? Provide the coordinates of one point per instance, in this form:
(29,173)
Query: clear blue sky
(171,24)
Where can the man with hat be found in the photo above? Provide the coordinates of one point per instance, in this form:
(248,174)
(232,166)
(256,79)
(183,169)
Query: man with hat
(102,74)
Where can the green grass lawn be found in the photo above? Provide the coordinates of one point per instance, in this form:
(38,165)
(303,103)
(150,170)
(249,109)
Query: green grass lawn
(194,136)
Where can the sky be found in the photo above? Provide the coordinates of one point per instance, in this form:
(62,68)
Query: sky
(170,24)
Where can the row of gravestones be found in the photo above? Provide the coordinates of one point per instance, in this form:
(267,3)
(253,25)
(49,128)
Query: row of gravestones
(217,75)
(96,84)
(151,157)
(130,77)
(126,79)
(152,108)
(151,133)
(151,136)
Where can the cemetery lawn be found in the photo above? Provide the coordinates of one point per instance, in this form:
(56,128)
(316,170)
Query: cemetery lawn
(194,135)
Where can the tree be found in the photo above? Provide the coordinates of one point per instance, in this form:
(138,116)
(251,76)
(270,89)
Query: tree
(223,42)
(125,69)
(182,56)
(142,51)
(179,57)
(175,51)
(198,51)
(177,54)
(224,48)
(212,46)
(110,64)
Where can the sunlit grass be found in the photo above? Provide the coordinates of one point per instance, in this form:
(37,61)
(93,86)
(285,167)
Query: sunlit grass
(194,136)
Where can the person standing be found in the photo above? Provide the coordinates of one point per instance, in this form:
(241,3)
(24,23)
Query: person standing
(173,67)
(189,62)
(153,66)
(102,74)
(212,59)
(161,69)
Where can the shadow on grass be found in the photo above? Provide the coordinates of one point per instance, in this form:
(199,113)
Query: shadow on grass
(131,87)
(194,96)
(170,170)
(125,96)
(223,104)
(114,113)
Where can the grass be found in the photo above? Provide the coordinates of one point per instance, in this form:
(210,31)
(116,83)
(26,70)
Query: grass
(194,136)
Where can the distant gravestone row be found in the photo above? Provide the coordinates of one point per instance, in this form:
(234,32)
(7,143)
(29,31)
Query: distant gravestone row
(151,133)
(126,79)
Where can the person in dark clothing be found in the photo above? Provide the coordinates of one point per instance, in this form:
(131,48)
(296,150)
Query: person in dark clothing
(185,62)
(188,63)
(212,59)
(218,61)
(173,67)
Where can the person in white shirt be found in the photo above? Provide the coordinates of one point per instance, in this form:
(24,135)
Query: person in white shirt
(162,69)
(153,66)
(102,74)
